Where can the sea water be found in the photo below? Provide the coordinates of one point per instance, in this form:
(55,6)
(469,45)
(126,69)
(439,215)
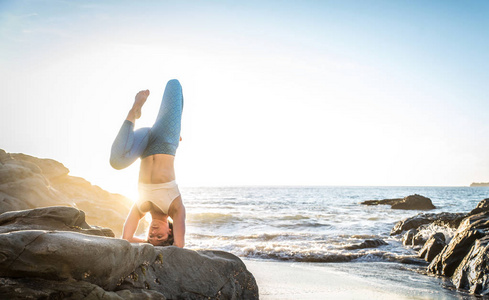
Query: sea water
(312,224)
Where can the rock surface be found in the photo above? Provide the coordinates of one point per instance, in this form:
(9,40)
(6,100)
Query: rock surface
(415,202)
(28,182)
(60,256)
(442,219)
(466,257)
(433,246)
(367,244)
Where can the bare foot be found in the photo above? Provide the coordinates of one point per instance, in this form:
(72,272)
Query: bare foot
(139,101)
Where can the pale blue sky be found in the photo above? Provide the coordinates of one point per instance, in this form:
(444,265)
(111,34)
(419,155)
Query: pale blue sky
(277,92)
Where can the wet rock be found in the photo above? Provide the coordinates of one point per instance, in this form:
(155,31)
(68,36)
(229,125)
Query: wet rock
(382,202)
(418,239)
(451,220)
(433,246)
(367,244)
(471,229)
(69,261)
(473,272)
(407,238)
(482,206)
(415,202)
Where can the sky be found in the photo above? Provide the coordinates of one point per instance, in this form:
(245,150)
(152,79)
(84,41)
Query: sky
(383,93)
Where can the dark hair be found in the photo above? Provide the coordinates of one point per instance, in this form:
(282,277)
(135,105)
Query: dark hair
(170,240)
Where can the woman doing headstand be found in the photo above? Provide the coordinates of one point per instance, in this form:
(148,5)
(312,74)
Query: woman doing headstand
(156,146)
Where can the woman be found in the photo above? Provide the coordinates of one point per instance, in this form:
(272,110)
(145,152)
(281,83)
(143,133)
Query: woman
(158,191)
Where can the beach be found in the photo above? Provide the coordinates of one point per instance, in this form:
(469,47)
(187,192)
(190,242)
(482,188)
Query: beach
(286,280)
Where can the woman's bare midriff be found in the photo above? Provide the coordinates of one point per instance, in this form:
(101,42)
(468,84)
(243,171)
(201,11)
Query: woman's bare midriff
(157,168)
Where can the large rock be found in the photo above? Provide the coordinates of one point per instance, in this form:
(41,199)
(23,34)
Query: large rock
(433,246)
(472,274)
(28,182)
(416,202)
(471,229)
(367,244)
(482,206)
(451,220)
(60,257)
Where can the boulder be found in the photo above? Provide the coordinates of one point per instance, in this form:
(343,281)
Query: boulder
(451,220)
(472,274)
(471,229)
(367,244)
(382,202)
(62,256)
(418,239)
(433,246)
(482,206)
(407,238)
(28,182)
(416,202)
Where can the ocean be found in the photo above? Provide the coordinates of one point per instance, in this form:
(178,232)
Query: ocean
(313,224)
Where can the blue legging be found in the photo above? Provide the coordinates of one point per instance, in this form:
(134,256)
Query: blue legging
(163,137)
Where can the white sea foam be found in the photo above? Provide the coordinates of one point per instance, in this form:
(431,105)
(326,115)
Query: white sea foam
(310,223)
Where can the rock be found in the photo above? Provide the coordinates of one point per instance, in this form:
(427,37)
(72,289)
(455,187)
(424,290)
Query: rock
(417,202)
(27,182)
(60,257)
(382,202)
(61,218)
(414,202)
(482,206)
(407,238)
(473,272)
(451,220)
(432,247)
(367,244)
(471,229)
(50,168)
(418,239)
(34,288)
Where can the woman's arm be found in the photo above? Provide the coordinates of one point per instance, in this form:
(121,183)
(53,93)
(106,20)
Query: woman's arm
(177,213)
(131,224)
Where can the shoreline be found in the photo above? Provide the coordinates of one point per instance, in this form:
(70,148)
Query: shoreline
(354,280)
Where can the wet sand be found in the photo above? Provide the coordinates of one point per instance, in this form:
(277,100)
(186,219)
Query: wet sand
(288,280)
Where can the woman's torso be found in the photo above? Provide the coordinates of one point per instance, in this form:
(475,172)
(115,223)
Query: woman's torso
(157,168)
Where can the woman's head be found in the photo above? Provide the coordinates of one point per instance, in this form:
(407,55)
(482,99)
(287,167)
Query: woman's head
(160,233)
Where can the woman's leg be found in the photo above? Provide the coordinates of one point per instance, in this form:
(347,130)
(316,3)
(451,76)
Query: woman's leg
(165,133)
(130,144)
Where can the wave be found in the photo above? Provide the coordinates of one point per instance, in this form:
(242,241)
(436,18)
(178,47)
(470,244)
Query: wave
(212,218)
(378,256)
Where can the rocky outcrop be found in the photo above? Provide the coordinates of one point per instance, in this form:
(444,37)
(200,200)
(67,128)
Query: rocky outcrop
(415,202)
(482,206)
(465,259)
(471,229)
(28,182)
(53,253)
(433,246)
(477,184)
(367,244)
(442,219)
